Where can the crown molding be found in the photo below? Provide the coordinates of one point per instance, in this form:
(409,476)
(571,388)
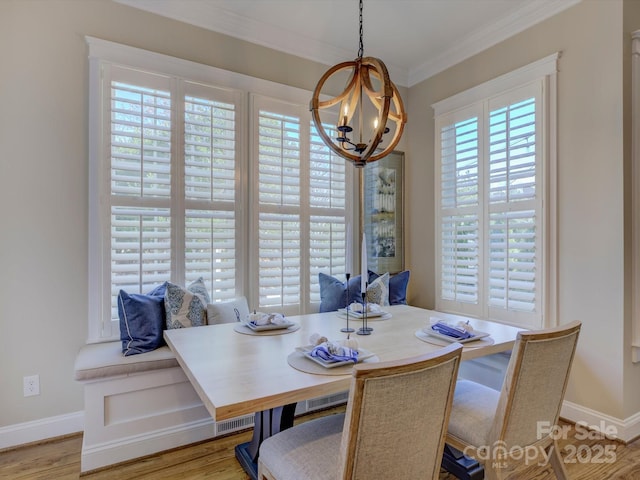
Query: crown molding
(210,17)
(508,26)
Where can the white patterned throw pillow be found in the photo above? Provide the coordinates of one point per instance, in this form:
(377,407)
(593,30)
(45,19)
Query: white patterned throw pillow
(227,312)
(378,291)
(186,307)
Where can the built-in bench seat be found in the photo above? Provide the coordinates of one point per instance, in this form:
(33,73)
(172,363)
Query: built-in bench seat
(143,404)
(136,405)
(100,360)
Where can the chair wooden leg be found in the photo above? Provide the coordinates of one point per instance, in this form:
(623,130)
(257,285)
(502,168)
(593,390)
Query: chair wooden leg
(557,463)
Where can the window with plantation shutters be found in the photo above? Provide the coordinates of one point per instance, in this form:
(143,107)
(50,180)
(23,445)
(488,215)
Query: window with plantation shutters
(198,172)
(140,179)
(460,211)
(514,207)
(210,166)
(301,207)
(493,244)
(170,192)
(328,212)
(279,232)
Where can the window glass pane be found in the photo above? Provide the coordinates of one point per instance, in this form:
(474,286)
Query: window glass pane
(459,157)
(512,269)
(140,250)
(279,259)
(460,256)
(279,159)
(209,150)
(140,141)
(512,152)
(327,250)
(327,182)
(210,251)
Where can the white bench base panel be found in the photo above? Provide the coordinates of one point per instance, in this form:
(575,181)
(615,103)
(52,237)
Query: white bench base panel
(140,413)
(134,415)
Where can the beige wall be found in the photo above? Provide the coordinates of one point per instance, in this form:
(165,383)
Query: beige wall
(43,175)
(43,180)
(591,167)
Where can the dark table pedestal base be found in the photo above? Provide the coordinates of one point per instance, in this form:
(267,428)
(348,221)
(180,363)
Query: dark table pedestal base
(267,423)
(461,466)
(246,460)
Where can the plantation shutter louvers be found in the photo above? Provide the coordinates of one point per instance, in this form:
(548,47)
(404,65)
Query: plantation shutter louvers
(210,176)
(159,232)
(195,171)
(512,206)
(460,212)
(279,196)
(140,149)
(327,204)
(490,206)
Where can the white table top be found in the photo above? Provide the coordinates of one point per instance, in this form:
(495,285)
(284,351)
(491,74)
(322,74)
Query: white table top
(236,374)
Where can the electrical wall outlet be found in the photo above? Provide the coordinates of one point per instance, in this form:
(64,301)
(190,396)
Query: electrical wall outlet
(31,385)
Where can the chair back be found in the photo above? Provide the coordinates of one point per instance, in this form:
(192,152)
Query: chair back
(534,385)
(397,416)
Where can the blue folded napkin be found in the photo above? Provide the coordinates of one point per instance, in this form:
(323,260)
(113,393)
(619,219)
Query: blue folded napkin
(332,352)
(451,331)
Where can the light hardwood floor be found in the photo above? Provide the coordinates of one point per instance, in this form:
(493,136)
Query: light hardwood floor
(59,459)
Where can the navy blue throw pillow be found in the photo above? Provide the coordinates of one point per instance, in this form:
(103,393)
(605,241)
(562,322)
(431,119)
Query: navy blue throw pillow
(142,320)
(397,286)
(333,292)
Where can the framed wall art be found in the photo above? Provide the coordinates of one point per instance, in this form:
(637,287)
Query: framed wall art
(383,213)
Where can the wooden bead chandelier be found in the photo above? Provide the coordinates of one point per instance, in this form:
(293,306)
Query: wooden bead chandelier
(370,99)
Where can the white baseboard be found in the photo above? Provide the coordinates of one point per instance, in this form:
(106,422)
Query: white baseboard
(123,449)
(625,430)
(39,430)
(46,428)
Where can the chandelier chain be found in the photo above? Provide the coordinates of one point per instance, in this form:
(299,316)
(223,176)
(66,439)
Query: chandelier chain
(369,93)
(361,47)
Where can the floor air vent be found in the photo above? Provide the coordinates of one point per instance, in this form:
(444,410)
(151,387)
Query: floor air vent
(322,402)
(234,424)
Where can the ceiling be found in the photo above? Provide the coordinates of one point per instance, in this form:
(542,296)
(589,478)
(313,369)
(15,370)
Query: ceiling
(415,38)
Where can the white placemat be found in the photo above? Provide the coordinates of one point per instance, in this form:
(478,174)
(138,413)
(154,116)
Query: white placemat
(483,342)
(298,361)
(241,328)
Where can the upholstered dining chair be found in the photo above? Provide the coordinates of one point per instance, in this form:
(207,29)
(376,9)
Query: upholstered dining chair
(487,424)
(393,427)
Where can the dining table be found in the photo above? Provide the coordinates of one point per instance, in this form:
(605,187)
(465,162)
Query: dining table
(240,368)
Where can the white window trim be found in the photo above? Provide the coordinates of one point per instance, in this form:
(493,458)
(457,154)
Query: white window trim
(546,70)
(103,51)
